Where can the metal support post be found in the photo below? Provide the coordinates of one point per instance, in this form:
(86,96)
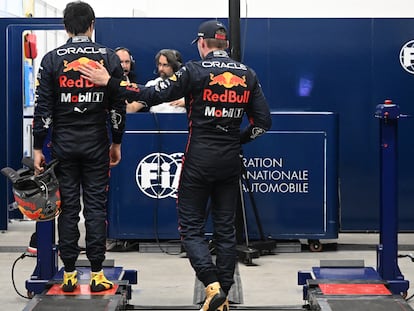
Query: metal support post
(387,265)
(47,259)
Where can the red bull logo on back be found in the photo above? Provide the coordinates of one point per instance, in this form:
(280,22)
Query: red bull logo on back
(228,80)
(75,64)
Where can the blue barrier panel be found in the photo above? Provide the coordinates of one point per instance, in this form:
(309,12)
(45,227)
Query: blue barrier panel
(292,174)
(292,171)
(143,186)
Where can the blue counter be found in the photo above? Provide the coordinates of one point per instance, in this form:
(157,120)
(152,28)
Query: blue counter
(292,174)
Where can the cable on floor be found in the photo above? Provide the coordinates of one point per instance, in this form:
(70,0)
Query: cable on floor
(22,256)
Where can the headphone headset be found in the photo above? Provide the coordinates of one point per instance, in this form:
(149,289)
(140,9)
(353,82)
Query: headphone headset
(173,57)
(121,48)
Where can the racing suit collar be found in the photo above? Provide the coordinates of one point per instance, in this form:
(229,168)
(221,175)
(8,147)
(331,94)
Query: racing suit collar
(77,39)
(217,53)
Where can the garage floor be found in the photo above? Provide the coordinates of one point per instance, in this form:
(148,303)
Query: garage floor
(167,279)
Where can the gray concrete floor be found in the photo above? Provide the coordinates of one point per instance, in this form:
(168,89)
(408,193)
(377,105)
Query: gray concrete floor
(168,280)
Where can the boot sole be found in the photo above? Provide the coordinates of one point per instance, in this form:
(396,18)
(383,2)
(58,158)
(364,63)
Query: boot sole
(214,304)
(97,289)
(69,289)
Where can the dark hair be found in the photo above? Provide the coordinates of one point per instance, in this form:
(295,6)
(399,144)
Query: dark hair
(78,16)
(173,57)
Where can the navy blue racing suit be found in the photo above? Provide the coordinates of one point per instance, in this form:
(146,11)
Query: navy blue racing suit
(218,92)
(79,114)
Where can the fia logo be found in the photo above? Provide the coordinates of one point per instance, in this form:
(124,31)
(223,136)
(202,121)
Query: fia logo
(407,56)
(157,175)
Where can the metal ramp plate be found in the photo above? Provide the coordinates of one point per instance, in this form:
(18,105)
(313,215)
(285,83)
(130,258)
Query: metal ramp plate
(78,303)
(357,295)
(363,304)
(82,299)
(232,307)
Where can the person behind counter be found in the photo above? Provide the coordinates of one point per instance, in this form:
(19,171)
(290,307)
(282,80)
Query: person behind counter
(167,61)
(128,66)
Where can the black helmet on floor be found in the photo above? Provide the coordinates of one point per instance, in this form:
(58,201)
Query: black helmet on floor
(37,196)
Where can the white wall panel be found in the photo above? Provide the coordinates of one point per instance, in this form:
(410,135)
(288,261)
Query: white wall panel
(11,8)
(249,8)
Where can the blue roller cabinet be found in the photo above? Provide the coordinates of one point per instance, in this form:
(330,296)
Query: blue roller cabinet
(292,174)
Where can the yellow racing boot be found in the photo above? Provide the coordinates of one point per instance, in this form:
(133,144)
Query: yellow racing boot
(99,282)
(70,281)
(215,297)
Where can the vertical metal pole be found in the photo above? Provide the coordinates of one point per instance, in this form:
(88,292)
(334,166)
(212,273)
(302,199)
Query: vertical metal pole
(47,254)
(387,251)
(234,30)
(234,26)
